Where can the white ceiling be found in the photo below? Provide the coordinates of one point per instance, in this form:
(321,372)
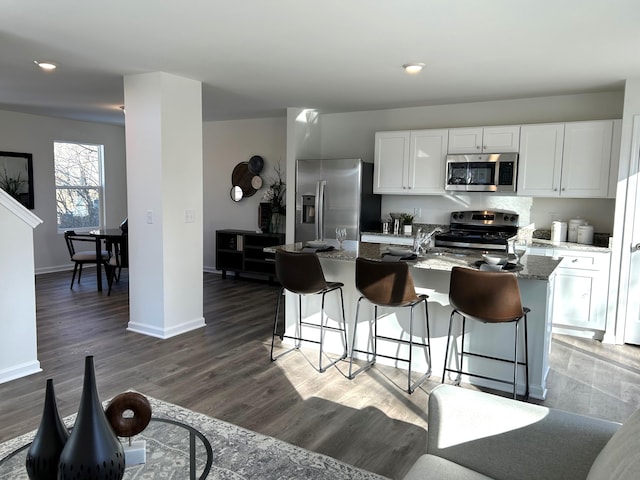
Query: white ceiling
(255,58)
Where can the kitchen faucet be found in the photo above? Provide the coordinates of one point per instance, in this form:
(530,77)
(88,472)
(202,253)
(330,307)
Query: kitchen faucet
(422,240)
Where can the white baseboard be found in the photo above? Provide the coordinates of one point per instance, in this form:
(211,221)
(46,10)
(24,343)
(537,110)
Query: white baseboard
(19,371)
(164,333)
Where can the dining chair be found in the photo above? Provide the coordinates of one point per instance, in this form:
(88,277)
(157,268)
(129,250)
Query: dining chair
(82,257)
(390,285)
(118,259)
(301,273)
(488,298)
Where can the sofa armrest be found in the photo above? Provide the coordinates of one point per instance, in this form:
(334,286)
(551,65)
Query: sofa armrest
(508,439)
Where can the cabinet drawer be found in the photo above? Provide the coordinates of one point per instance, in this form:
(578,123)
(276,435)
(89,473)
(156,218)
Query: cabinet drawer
(583,260)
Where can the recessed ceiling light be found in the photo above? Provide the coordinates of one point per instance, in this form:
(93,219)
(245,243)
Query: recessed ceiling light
(45,65)
(413,68)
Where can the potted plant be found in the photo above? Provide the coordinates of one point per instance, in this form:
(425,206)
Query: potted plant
(407,221)
(275,196)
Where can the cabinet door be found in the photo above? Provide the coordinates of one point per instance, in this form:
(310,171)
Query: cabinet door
(465,140)
(540,161)
(578,299)
(580,290)
(501,139)
(586,159)
(427,159)
(391,162)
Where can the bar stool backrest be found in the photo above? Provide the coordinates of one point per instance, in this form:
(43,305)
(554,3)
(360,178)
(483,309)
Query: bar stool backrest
(385,283)
(490,297)
(300,272)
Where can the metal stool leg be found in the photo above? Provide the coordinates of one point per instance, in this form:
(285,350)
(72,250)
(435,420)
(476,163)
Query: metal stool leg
(515,362)
(341,326)
(446,351)
(461,369)
(526,358)
(370,363)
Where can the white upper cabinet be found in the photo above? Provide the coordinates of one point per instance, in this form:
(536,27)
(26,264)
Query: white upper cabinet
(391,162)
(410,162)
(484,139)
(565,160)
(586,159)
(540,160)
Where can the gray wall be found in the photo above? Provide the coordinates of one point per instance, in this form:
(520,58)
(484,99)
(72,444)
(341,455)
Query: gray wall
(352,134)
(343,134)
(35,134)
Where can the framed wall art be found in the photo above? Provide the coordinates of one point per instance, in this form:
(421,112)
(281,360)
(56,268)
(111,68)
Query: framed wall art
(16,176)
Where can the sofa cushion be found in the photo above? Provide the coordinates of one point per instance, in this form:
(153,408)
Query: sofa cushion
(432,467)
(620,458)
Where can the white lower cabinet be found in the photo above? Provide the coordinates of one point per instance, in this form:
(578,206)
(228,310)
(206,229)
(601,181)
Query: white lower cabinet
(580,291)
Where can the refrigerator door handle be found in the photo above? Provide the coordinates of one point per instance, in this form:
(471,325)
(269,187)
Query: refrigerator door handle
(320,187)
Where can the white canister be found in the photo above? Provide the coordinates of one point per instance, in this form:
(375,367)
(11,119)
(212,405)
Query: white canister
(558,232)
(585,234)
(572,232)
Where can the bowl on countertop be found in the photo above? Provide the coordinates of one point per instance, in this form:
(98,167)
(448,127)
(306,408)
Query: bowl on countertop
(399,251)
(495,259)
(316,243)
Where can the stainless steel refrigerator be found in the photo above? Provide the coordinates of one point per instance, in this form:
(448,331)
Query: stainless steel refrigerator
(332,193)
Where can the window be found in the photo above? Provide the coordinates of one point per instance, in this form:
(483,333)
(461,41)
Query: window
(78,174)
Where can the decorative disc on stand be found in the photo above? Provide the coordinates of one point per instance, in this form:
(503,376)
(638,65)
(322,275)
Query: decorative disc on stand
(129,425)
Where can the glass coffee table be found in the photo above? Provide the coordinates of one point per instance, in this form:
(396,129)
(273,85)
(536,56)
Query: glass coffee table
(174,450)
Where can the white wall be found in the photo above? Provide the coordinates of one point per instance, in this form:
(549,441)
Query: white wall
(18,346)
(35,134)
(352,134)
(226,144)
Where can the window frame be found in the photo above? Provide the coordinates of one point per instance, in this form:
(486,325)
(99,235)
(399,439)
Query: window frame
(99,187)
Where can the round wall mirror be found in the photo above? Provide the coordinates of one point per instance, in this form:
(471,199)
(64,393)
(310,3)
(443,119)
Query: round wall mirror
(236,193)
(241,177)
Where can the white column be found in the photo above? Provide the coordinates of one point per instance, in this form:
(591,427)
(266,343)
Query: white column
(164,195)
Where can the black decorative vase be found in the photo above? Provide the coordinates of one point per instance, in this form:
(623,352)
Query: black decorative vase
(93,451)
(44,453)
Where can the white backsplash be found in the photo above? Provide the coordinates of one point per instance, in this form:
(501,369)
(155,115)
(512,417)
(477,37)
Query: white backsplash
(540,211)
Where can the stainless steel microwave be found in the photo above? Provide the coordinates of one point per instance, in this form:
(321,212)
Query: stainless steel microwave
(490,172)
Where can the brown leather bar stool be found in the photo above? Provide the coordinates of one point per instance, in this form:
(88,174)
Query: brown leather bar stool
(301,273)
(389,284)
(488,297)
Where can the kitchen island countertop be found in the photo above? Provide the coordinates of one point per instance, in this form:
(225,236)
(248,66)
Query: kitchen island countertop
(534,267)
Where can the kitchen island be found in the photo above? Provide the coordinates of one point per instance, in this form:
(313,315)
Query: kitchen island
(431,274)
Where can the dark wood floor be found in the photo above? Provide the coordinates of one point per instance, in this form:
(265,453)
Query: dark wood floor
(224,370)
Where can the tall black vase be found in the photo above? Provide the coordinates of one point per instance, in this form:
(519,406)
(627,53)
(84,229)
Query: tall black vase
(44,453)
(93,451)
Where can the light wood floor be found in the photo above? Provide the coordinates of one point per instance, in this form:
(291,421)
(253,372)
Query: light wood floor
(223,370)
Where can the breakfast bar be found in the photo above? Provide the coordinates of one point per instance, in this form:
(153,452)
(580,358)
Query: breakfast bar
(431,275)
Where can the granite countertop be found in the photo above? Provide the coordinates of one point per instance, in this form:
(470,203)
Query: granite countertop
(543,243)
(534,267)
(535,242)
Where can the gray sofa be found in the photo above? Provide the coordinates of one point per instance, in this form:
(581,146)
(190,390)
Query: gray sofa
(474,435)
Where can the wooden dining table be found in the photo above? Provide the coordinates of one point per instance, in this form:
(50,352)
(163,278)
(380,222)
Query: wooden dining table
(109,235)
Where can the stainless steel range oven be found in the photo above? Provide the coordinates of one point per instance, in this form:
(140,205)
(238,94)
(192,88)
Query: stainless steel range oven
(480,229)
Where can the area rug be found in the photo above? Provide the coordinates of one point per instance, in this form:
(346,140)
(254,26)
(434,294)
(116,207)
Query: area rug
(238,453)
